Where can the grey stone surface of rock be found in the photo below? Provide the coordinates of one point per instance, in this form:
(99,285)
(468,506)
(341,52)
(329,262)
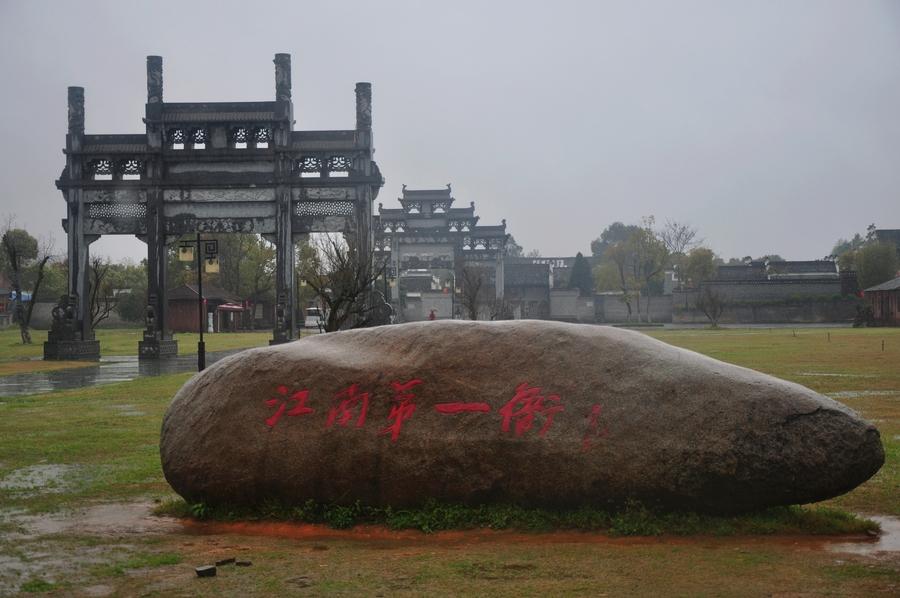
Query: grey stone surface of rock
(528,412)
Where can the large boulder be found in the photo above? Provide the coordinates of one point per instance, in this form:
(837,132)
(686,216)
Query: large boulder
(528,412)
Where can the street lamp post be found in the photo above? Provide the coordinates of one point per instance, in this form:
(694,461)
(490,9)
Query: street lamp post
(201,346)
(210,250)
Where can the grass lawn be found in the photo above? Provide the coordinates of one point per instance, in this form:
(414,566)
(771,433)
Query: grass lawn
(16,358)
(96,449)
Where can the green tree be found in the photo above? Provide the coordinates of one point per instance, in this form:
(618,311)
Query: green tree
(606,276)
(639,260)
(513,249)
(844,251)
(581,277)
(712,304)
(700,265)
(876,262)
(612,234)
(128,284)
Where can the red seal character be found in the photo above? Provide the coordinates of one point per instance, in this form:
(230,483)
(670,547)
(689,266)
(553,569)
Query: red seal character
(403,407)
(346,402)
(299,397)
(528,403)
(594,430)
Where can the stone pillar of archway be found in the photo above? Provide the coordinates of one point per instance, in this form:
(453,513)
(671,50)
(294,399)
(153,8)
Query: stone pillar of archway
(71,336)
(157,341)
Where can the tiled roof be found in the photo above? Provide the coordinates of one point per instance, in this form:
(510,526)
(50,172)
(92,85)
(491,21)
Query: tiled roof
(174,117)
(115,148)
(891,285)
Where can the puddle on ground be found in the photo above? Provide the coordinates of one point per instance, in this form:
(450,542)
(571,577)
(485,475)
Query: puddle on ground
(40,479)
(856,394)
(108,370)
(888,541)
(127,410)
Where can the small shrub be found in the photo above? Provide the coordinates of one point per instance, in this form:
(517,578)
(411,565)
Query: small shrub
(199,510)
(37,585)
(342,517)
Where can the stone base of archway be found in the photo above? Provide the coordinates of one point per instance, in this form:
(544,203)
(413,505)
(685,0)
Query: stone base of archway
(156,349)
(72,350)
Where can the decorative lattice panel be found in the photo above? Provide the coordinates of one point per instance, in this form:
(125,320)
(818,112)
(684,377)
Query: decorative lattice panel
(117,210)
(310,164)
(239,135)
(176,136)
(324,208)
(262,135)
(339,164)
(100,167)
(131,167)
(199,136)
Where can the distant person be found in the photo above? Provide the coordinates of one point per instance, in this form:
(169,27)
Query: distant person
(432,315)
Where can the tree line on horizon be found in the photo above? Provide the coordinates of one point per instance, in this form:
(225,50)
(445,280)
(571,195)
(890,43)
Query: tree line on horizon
(626,258)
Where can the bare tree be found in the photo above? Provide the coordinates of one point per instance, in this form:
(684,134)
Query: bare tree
(21,252)
(343,282)
(712,304)
(100,293)
(471,290)
(500,309)
(678,237)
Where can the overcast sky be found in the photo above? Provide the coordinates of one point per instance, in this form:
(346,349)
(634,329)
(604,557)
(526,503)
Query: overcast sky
(772,127)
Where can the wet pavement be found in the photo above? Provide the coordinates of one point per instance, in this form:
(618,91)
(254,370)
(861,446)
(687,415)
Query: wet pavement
(108,371)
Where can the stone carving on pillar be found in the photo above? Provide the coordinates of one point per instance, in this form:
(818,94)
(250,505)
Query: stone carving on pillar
(282,77)
(76,110)
(155,345)
(64,340)
(154,80)
(150,319)
(64,325)
(363,106)
(280,333)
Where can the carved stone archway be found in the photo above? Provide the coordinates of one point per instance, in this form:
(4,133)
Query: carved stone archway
(208,167)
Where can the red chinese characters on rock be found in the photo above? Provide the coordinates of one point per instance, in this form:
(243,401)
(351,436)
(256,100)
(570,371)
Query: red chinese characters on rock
(403,407)
(345,402)
(451,408)
(527,404)
(299,397)
(528,408)
(594,430)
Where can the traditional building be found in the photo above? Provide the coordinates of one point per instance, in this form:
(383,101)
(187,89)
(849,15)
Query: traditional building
(884,299)
(428,243)
(889,235)
(222,310)
(527,282)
